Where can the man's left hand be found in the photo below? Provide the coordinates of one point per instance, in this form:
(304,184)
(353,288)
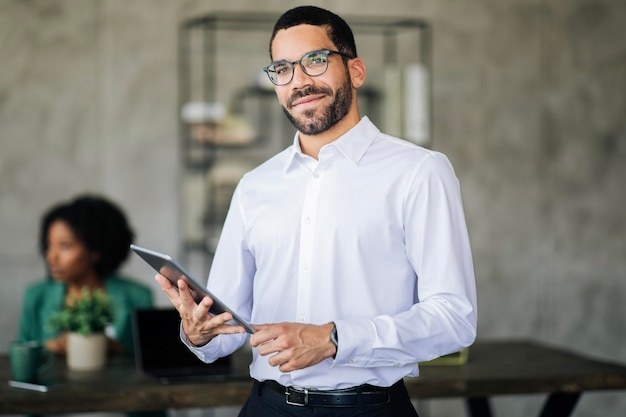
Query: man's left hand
(294,345)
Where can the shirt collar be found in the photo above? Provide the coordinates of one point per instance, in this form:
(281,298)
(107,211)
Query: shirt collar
(352,145)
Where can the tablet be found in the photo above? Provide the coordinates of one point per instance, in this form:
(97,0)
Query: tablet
(170,269)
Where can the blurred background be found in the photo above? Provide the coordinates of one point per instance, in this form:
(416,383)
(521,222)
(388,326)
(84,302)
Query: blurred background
(526,97)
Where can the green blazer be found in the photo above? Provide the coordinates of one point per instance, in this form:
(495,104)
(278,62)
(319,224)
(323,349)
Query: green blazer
(43,299)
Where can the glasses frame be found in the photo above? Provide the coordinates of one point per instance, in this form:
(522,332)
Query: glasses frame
(292,64)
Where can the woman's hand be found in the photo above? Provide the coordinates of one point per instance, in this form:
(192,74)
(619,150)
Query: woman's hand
(114,347)
(58,345)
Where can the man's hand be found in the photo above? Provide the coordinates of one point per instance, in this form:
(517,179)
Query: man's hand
(198,325)
(294,345)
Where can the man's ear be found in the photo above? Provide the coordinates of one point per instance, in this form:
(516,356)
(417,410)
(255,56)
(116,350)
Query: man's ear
(356,66)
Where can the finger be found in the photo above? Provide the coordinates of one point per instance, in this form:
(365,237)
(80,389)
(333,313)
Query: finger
(269,345)
(196,315)
(164,283)
(186,297)
(201,310)
(258,327)
(224,326)
(269,349)
(168,289)
(263,334)
(201,332)
(278,359)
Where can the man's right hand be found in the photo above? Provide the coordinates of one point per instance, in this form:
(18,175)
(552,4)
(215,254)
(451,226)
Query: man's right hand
(199,326)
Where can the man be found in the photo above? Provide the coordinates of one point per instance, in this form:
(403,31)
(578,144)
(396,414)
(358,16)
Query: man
(350,245)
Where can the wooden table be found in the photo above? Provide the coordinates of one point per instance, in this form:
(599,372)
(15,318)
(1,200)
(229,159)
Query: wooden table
(494,368)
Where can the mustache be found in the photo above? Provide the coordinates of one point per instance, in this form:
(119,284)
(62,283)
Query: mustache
(307,91)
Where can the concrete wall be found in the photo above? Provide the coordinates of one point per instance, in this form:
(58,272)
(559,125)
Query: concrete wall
(529,102)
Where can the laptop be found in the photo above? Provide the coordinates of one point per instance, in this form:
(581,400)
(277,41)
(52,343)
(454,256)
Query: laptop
(160,354)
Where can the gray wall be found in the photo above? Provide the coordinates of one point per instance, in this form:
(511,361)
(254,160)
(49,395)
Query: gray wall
(530,106)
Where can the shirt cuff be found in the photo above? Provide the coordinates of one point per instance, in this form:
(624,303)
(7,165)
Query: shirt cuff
(355,342)
(202,352)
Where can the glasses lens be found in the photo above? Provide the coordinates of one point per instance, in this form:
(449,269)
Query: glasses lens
(280,72)
(315,63)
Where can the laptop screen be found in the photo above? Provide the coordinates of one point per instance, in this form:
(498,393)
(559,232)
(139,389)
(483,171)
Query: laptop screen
(160,353)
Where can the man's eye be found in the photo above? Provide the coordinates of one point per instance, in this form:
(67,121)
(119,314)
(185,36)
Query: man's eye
(316,59)
(281,69)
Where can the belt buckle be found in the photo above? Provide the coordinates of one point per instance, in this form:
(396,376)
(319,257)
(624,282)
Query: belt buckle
(304,403)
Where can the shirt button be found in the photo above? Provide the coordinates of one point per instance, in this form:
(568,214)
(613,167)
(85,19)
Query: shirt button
(316,175)
(305,269)
(303,319)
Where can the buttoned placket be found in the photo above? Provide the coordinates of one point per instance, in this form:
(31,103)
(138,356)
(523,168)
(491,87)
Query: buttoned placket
(307,244)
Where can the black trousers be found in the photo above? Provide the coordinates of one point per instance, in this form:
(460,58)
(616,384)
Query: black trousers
(267,403)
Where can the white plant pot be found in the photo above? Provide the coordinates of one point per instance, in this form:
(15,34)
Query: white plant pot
(86,353)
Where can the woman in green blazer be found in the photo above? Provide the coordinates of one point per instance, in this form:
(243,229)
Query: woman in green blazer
(83,243)
(44,299)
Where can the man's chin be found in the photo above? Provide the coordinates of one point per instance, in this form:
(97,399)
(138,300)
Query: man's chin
(301,123)
(308,122)
(310,129)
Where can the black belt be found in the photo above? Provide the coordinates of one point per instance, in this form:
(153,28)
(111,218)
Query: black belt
(361,395)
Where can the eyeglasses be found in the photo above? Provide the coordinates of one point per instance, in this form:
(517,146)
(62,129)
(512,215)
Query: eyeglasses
(313,64)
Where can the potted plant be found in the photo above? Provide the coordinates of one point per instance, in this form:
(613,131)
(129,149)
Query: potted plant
(84,320)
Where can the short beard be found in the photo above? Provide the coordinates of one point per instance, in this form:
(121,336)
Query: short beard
(331,115)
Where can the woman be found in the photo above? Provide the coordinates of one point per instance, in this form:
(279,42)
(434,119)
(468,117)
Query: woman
(83,242)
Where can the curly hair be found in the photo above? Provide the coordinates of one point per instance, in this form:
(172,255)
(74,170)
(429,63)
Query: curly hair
(338,30)
(99,224)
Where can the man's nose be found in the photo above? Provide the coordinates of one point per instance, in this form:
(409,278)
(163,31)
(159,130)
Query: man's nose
(299,76)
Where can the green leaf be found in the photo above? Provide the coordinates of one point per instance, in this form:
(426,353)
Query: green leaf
(90,313)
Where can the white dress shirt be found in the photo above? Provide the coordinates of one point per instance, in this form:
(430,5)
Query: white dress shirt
(371,236)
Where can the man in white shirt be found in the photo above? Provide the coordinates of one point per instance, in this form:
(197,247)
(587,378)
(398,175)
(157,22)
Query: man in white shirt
(348,250)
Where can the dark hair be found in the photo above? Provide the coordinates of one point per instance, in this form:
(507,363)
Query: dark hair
(98,224)
(338,30)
